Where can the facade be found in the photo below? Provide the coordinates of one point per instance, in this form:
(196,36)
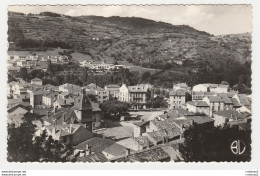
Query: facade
(198,107)
(101,94)
(113,90)
(64,99)
(138,94)
(198,96)
(177,98)
(215,104)
(36,97)
(48,99)
(36,81)
(27,63)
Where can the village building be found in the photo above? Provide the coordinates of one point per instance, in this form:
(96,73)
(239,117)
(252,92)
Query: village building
(48,99)
(198,107)
(69,134)
(113,90)
(36,81)
(177,98)
(137,95)
(65,100)
(215,88)
(154,154)
(92,146)
(240,100)
(18,115)
(227,116)
(215,103)
(84,112)
(70,88)
(36,97)
(101,94)
(198,96)
(181,86)
(27,63)
(115,151)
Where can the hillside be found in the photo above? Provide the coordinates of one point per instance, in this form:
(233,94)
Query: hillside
(137,40)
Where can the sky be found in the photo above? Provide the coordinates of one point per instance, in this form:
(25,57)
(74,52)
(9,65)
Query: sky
(214,19)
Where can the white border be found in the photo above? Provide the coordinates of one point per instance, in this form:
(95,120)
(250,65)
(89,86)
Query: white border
(253,165)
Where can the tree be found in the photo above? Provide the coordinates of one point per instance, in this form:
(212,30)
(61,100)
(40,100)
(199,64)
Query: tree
(22,148)
(49,68)
(208,143)
(114,109)
(23,73)
(85,76)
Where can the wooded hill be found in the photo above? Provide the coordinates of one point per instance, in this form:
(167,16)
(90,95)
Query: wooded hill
(138,40)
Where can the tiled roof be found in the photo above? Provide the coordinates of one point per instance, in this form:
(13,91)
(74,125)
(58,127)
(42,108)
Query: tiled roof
(179,92)
(198,103)
(95,144)
(225,97)
(18,110)
(200,119)
(96,157)
(141,123)
(235,102)
(52,94)
(231,114)
(115,150)
(69,116)
(65,129)
(175,113)
(152,155)
(243,99)
(215,99)
(143,141)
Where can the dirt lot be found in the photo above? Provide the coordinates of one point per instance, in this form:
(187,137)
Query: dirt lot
(125,129)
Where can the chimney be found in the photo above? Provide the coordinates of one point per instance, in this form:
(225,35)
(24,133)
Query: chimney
(63,118)
(192,122)
(148,144)
(127,151)
(166,139)
(142,120)
(182,127)
(83,92)
(55,109)
(70,128)
(48,113)
(87,146)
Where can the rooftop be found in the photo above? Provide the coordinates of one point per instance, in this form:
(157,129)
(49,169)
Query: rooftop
(231,114)
(179,92)
(198,103)
(95,144)
(116,150)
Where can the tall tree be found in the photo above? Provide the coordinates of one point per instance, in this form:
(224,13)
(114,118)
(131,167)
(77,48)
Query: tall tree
(50,68)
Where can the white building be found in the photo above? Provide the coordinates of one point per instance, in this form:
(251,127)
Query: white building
(177,98)
(215,88)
